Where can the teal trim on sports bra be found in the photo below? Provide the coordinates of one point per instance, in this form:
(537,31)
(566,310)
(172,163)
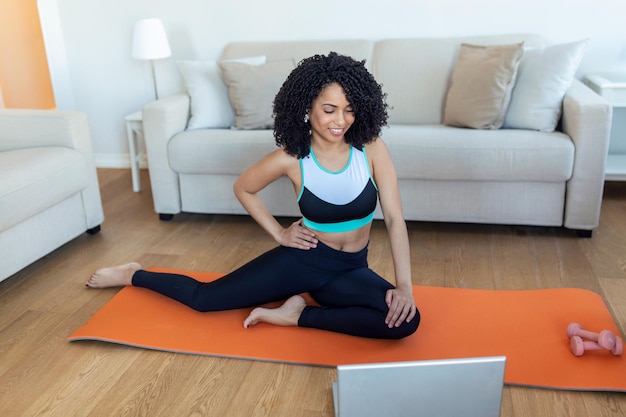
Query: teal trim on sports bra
(301,180)
(369,170)
(338,227)
(329,171)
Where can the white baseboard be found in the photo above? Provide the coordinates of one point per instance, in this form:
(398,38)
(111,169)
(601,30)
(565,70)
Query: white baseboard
(117,160)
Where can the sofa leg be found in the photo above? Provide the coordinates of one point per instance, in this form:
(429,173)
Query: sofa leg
(164,217)
(93,230)
(584,233)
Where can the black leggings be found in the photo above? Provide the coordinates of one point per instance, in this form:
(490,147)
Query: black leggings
(352,296)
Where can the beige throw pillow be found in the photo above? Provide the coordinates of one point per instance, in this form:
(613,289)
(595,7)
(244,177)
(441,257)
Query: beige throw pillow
(481,86)
(210,107)
(251,91)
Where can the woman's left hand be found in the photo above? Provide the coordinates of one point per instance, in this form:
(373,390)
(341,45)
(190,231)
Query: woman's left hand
(401,307)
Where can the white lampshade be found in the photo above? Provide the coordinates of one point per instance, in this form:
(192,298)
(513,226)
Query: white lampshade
(150,40)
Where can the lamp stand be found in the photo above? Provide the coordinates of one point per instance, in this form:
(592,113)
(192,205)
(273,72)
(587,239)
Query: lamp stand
(156,91)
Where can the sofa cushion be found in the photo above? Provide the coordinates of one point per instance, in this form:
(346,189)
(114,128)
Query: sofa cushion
(420,152)
(359,49)
(417,87)
(440,152)
(251,90)
(34,179)
(210,106)
(216,151)
(481,86)
(544,76)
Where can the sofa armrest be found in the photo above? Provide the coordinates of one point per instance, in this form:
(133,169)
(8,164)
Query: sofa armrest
(162,119)
(587,120)
(21,128)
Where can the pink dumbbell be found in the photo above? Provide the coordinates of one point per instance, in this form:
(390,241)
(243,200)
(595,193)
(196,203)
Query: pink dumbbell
(605,339)
(579,346)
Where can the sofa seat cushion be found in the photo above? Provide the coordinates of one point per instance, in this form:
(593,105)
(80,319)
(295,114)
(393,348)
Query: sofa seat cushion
(218,151)
(436,152)
(34,179)
(420,152)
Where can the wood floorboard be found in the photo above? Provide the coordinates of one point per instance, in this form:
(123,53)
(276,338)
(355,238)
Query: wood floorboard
(41,374)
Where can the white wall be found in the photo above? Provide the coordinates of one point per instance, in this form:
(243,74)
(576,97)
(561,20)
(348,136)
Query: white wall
(99,77)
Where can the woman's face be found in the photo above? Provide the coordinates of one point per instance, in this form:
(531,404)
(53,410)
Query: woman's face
(331,115)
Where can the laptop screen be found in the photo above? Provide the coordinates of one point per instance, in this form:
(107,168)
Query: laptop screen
(443,388)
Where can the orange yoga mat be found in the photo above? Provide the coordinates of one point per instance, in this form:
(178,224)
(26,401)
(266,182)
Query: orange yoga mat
(528,327)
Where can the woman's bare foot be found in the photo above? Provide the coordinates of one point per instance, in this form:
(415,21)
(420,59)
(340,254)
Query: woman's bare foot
(285,315)
(113,276)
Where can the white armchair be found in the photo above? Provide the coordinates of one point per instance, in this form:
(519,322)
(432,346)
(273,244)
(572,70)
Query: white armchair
(49,190)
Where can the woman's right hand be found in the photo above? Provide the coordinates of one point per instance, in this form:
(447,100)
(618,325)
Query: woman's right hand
(297,236)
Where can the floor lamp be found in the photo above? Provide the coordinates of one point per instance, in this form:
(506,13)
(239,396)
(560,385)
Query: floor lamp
(150,43)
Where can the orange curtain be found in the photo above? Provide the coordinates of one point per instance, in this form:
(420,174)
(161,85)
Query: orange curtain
(24,74)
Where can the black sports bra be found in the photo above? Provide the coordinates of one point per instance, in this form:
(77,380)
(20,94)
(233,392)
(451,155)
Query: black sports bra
(337,201)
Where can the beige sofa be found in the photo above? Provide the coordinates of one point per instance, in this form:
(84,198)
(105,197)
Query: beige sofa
(48,185)
(518,176)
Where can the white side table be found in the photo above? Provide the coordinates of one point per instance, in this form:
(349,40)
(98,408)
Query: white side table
(613,88)
(134,131)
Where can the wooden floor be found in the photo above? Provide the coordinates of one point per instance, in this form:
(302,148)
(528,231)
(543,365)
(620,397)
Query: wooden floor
(41,374)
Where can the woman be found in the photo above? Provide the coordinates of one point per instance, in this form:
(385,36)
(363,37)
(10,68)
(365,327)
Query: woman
(328,116)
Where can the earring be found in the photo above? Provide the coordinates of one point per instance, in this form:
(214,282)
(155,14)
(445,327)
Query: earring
(306,119)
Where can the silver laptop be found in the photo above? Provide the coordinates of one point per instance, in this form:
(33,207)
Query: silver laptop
(442,388)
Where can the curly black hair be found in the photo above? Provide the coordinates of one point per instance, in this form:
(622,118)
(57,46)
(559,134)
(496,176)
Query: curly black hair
(305,84)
